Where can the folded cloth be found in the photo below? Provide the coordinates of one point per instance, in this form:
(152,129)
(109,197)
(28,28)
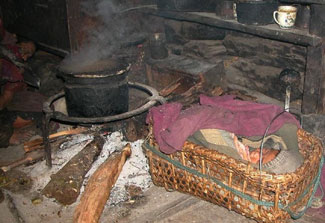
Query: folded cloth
(172,126)
(280,152)
(222,141)
(270,141)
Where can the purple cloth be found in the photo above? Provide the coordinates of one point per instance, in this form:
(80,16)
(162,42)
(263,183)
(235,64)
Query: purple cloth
(171,126)
(162,117)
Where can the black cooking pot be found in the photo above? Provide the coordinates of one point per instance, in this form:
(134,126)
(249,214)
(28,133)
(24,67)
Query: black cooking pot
(256,12)
(98,90)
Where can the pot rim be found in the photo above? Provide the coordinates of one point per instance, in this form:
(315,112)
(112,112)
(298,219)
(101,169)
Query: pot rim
(98,74)
(94,74)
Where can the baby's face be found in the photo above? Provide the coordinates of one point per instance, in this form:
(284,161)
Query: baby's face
(27,49)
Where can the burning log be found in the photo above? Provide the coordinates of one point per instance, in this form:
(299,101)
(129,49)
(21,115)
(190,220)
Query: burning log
(99,187)
(66,183)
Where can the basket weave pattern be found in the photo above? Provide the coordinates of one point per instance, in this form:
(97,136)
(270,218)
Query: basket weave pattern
(222,180)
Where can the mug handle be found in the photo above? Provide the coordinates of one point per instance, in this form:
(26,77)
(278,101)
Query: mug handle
(274,17)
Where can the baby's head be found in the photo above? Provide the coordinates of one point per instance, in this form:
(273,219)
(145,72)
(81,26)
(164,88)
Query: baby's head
(27,49)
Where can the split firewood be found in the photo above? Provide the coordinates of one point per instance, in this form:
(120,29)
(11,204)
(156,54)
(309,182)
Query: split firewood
(38,143)
(99,187)
(28,158)
(191,96)
(216,91)
(66,183)
(32,156)
(170,88)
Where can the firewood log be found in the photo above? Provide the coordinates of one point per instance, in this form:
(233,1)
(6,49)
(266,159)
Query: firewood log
(65,184)
(37,143)
(28,158)
(99,187)
(170,88)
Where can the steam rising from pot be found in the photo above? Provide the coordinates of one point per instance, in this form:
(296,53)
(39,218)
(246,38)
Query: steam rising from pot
(103,38)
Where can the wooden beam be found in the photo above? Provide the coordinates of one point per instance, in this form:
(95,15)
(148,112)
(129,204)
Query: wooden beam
(313,77)
(321,101)
(317,20)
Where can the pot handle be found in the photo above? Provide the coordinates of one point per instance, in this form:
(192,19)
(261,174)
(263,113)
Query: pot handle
(274,17)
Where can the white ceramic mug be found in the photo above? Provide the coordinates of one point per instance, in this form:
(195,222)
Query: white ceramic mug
(285,17)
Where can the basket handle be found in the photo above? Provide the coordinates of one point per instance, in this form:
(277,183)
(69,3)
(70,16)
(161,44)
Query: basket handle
(263,138)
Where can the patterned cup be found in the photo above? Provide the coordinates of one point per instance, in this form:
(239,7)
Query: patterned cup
(285,16)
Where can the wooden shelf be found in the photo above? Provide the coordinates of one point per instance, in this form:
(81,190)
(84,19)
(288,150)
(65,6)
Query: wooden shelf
(272,31)
(307,2)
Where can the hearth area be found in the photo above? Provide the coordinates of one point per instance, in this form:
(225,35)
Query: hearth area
(122,83)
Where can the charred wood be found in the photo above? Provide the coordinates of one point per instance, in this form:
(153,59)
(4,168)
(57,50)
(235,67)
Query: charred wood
(66,183)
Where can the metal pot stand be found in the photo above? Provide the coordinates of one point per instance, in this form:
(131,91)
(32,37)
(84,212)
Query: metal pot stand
(51,114)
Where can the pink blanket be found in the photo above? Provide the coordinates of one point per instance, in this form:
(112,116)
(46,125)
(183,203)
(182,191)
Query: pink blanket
(172,126)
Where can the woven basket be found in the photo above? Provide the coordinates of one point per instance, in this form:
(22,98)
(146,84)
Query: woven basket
(222,180)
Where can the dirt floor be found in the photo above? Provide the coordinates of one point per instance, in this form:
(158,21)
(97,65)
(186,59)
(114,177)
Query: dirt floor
(155,205)
(23,200)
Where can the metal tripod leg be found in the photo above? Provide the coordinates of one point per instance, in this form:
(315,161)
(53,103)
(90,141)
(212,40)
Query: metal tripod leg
(46,140)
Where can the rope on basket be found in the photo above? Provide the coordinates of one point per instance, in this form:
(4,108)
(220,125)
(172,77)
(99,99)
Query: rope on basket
(293,215)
